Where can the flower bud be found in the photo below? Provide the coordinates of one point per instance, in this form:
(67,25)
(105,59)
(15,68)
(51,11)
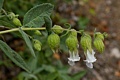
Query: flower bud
(37,45)
(86,42)
(11,15)
(99,45)
(17,22)
(99,35)
(73,32)
(57,29)
(53,41)
(37,32)
(72,43)
(105,34)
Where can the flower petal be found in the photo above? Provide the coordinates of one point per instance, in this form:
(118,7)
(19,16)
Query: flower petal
(71,63)
(90,65)
(90,56)
(74,56)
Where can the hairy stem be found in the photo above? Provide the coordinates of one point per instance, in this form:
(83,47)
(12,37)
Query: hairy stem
(27,29)
(24,29)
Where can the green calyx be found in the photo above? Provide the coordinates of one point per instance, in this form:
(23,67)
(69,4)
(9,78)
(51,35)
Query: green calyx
(37,44)
(11,15)
(72,43)
(86,42)
(57,29)
(53,41)
(17,22)
(99,35)
(99,45)
(73,32)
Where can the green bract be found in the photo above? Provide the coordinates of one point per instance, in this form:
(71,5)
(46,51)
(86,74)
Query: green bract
(17,22)
(86,42)
(37,45)
(72,43)
(53,41)
(57,29)
(99,45)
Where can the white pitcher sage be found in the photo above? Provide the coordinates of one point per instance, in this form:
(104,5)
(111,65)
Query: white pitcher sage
(72,44)
(90,58)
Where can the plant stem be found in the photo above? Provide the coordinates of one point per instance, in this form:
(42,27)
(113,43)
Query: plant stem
(24,29)
(4,12)
(27,29)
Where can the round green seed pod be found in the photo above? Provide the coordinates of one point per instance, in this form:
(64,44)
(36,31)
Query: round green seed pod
(86,42)
(17,22)
(53,41)
(99,45)
(72,43)
(99,35)
(37,32)
(73,32)
(37,44)
(57,29)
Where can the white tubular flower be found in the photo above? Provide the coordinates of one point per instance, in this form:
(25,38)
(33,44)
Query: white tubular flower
(74,56)
(90,58)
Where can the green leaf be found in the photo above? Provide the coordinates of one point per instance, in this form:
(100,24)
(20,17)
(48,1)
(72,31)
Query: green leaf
(63,70)
(14,56)
(65,77)
(48,24)
(52,76)
(35,16)
(79,75)
(33,63)
(42,76)
(38,70)
(27,40)
(1,4)
(49,68)
(48,53)
(27,76)
(83,22)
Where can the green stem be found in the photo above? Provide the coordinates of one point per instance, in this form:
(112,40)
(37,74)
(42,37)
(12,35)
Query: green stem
(27,29)
(67,30)
(4,12)
(24,29)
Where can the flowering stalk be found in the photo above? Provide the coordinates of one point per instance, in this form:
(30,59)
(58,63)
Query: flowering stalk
(72,44)
(28,29)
